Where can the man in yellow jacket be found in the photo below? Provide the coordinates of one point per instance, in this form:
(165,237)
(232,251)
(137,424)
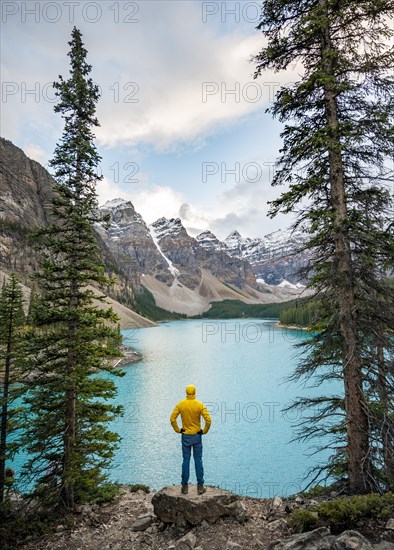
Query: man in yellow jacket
(191,412)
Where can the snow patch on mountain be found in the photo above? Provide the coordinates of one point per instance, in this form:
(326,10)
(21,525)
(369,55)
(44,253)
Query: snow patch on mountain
(209,241)
(286,284)
(114,203)
(164,227)
(173,270)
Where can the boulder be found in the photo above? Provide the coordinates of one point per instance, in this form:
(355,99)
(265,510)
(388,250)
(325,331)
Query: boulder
(171,506)
(277,524)
(277,502)
(321,539)
(142,523)
(352,540)
(188,542)
(390,524)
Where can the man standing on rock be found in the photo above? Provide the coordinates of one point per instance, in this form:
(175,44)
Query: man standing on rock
(191,412)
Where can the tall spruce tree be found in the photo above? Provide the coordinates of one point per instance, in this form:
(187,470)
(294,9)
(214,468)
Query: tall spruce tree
(11,321)
(67,401)
(338,137)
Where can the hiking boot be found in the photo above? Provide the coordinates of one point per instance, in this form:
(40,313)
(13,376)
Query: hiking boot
(185,489)
(201,489)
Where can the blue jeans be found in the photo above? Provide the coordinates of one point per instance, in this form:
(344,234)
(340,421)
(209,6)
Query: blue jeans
(189,441)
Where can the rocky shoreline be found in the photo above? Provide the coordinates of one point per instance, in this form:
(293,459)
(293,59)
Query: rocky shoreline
(131,522)
(129,356)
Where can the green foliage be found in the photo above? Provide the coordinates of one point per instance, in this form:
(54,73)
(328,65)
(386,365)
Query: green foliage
(346,512)
(232,309)
(317,491)
(11,323)
(15,529)
(9,226)
(114,340)
(303,520)
(343,513)
(68,405)
(99,493)
(302,314)
(337,139)
(144,304)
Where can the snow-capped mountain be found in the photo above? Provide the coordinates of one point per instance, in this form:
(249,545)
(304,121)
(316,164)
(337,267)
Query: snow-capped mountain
(166,251)
(183,273)
(275,258)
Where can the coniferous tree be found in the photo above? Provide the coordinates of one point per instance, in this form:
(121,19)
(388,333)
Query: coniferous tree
(11,321)
(66,347)
(337,139)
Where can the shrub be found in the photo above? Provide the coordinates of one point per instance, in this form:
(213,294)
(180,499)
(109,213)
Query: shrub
(344,512)
(303,520)
(319,490)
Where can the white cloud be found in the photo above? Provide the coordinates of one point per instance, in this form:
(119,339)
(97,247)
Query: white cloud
(152,203)
(168,62)
(157,202)
(170,53)
(35,152)
(180,105)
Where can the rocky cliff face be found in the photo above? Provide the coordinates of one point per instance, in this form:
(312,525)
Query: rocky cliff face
(25,191)
(25,187)
(275,259)
(217,258)
(166,251)
(130,241)
(180,249)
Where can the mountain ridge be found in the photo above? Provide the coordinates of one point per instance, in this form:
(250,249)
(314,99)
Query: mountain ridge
(184,274)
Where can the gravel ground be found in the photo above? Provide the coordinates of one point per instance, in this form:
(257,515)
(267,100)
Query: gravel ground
(108,527)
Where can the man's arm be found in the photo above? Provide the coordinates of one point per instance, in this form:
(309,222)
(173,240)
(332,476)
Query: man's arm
(175,413)
(207,418)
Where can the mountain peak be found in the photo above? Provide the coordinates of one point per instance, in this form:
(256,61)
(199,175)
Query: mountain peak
(206,235)
(234,240)
(235,233)
(115,203)
(164,227)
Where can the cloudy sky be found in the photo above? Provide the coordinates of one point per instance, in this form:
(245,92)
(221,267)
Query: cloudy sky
(183,131)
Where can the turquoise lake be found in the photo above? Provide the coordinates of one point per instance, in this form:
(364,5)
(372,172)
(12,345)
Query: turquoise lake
(238,367)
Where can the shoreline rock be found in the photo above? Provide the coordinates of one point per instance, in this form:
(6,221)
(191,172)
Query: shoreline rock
(290,327)
(130,356)
(171,506)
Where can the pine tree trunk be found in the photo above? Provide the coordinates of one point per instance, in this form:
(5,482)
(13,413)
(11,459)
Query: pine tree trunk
(70,410)
(387,423)
(356,413)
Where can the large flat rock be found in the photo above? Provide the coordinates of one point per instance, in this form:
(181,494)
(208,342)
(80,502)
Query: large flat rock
(171,506)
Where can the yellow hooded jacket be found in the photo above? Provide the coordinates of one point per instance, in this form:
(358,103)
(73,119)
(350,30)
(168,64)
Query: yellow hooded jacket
(191,411)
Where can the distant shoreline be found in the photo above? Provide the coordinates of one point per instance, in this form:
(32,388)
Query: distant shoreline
(292,327)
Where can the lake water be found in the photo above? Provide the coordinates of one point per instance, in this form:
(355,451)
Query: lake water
(238,367)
